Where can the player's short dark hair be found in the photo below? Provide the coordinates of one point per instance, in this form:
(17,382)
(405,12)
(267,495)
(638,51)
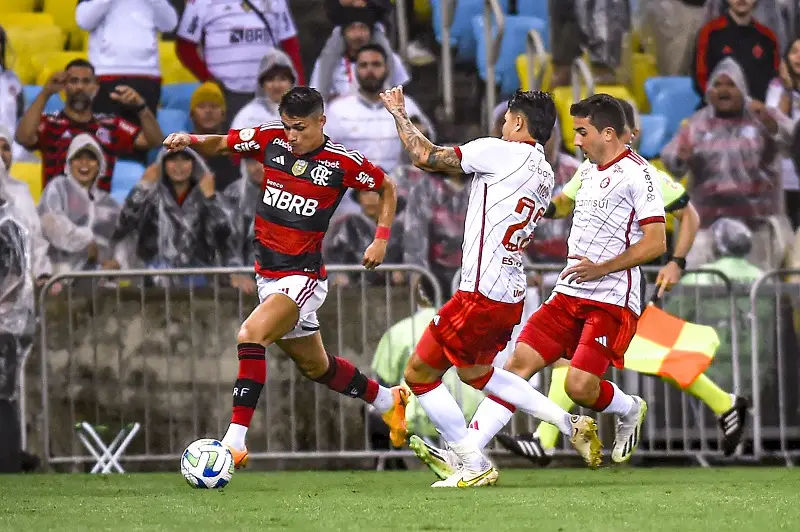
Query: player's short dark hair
(373,47)
(301,102)
(602,110)
(539,110)
(630,114)
(80,63)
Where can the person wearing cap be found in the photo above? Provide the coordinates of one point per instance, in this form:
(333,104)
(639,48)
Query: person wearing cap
(335,72)
(207,111)
(276,75)
(77,217)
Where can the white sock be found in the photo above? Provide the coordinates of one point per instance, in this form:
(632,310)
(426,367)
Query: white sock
(489,419)
(384,401)
(445,414)
(472,458)
(235,436)
(621,403)
(517,391)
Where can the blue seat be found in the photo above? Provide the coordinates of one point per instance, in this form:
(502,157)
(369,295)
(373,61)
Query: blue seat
(126,175)
(653,135)
(512,45)
(53,105)
(672,97)
(173,120)
(177,95)
(534,8)
(462,38)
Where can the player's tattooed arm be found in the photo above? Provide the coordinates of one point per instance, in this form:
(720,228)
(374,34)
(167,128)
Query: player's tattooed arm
(424,153)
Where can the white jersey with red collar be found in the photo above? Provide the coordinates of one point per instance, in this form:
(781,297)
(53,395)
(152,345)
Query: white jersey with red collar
(510,192)
(612,205)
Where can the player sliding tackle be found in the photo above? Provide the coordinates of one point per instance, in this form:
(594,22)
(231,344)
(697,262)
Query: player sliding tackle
(511,190)
(305,177)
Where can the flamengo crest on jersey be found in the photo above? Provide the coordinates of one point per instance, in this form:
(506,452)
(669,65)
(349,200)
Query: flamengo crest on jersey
(511,190)
(612,205)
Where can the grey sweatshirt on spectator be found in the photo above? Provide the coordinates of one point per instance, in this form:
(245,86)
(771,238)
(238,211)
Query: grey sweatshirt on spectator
(261,109)
(241,199)
(195,233)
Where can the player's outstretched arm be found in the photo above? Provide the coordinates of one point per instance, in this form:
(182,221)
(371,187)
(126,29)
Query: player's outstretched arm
(208,145)
(376,252)
(424,153)
(652,245)
(671,273)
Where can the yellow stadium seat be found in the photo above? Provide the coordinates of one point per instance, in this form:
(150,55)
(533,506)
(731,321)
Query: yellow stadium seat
(63,13)
(30,173)
(49,63)
(25,42)
(172,70)
(644,67)
(20,6)
(522,72)
(563,98)
(423,10)
(8,19)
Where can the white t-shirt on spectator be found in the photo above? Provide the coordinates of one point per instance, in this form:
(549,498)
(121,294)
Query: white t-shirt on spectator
(773,99)
(511,190)
(236,39)
(365,126)
(344,76)
(612,205)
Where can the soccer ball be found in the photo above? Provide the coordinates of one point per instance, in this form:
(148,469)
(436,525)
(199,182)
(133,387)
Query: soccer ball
(207,464)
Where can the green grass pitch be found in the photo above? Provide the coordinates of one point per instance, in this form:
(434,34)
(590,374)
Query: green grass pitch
(641,500)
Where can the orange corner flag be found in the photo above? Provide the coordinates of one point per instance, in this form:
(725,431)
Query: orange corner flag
(670,347)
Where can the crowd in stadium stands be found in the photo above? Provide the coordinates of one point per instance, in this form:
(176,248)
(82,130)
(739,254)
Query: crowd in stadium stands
(185,210)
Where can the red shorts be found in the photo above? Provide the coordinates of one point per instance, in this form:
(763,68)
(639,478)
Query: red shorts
(590,333)
(469,330)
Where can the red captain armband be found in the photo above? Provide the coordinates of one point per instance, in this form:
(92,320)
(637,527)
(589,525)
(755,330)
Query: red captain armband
(383,232)
(193,139)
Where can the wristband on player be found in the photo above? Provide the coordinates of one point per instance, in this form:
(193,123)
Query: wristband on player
(382,232)
(193,139)
(551,210)
(680,261)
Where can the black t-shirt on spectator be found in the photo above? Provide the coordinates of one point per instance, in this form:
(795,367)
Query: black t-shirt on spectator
(224,169)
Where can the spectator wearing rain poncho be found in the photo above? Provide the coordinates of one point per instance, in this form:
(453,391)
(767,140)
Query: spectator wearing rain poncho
(77,217)
(276,75)
(178,218)
(730,149)
(241,199)
(23,258)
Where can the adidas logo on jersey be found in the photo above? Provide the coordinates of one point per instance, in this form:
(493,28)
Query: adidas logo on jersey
(602,340)
(279,159)
(286,201)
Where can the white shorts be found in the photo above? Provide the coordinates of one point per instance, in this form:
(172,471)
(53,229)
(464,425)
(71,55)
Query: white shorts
(308,293)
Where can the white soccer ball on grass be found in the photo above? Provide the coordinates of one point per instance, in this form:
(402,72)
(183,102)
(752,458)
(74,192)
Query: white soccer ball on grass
(207,464)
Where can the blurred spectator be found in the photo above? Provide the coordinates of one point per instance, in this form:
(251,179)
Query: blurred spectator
(351,236)
(434,225)
(234,36)
(335,71)
(6,152)
(597,27)
(276,75)
(738,35)
(123,47)
(177,215)
(674,25)
(78,218)
(767,12)
(207,112)
(12,101)
(242,198)
(783,95)
(405,175)
(730,147)
(731,243)
(52,133)
(360,121)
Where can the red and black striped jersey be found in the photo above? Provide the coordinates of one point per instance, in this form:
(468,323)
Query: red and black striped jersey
(56,131)
(299,196)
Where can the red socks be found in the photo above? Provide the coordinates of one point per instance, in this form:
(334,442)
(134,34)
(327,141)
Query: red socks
(249,383)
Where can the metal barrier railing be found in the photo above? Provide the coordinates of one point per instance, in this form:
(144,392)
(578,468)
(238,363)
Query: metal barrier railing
(111,355)
(448,98)
(536,54)
(493,40)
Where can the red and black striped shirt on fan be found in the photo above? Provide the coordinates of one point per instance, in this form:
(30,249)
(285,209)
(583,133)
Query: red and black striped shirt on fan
(56,131)
(299,196)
